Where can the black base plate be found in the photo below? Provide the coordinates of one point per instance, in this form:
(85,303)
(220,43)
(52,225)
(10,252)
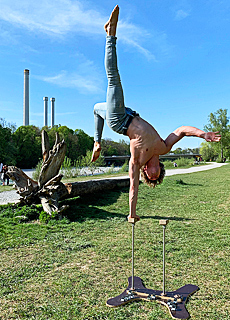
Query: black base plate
(183,292)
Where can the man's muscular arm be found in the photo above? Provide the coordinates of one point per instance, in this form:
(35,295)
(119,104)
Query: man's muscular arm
(134,173)
(186,131)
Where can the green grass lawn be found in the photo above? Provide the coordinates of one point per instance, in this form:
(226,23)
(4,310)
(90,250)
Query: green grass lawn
(68,269)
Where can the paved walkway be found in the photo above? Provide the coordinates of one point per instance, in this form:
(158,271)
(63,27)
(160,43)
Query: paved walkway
(12,196)
(195,168)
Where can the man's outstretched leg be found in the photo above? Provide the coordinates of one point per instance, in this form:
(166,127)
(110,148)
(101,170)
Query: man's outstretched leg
(110,28)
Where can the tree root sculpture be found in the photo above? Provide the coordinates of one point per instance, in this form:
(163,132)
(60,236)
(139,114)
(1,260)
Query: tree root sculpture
(49,186)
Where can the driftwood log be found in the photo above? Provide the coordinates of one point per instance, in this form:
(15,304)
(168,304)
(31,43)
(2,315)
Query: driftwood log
(49,189)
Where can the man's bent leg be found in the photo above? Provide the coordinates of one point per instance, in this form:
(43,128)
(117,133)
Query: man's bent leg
(99,117)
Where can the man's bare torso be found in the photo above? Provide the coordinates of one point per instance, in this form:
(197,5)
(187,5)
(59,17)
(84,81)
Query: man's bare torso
(145,142)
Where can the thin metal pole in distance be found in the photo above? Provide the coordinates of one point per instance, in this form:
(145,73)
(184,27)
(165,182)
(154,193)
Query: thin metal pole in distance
(164,224)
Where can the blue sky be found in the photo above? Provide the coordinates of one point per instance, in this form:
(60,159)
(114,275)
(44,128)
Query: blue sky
(173,59)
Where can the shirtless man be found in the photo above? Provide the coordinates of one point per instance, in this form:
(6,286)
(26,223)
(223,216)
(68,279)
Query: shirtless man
(145,143)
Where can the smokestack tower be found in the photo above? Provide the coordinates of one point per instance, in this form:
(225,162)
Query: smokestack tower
(52,111)
(45,111)
(26,98)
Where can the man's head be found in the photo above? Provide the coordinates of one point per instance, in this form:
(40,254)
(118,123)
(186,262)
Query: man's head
(154,175)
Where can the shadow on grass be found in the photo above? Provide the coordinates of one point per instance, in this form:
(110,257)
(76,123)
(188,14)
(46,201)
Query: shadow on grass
(168,218)
(89,206)
(181,182)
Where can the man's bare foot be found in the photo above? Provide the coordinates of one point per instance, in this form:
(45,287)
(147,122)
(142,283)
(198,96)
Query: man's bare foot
(111,25)
(96,151)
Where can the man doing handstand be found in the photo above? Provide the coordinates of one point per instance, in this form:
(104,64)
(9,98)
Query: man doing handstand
(145,143)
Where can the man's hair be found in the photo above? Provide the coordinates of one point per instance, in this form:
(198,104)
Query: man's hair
(153,183)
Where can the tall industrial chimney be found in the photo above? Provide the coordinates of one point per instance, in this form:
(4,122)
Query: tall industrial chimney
(45,111)
(26,98)
(52,111)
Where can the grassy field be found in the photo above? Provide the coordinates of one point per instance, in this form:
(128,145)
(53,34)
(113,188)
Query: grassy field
(68,269)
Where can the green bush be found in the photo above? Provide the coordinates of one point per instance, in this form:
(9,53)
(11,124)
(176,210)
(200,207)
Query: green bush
(37,171)
(45,217)
(68,170)
(168,164)
(19,212)
(184,162)
(111,169)
(125,167)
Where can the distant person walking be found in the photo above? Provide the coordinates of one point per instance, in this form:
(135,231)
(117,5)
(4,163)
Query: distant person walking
(1,173)
(5,175)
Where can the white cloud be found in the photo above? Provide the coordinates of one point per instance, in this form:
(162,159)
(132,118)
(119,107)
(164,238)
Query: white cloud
(52,17)
(84,83)
(181,14)
(132,35)
(60,18)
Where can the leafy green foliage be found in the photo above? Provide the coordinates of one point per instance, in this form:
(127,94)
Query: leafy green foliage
(92,166)
(183,162)
(125,167)
(28,142)
(13,211)
(7,147)
(168,164)
(218,121)
(208,151)
(112,148)
(37,170)
(44,217)
(185,151)
(22,147)
(85,143)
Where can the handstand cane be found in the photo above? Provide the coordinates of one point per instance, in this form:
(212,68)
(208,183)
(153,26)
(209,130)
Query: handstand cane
(164,224)
(133,221)
(174,300)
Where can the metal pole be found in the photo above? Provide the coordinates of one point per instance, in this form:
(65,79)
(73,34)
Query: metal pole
(133,221)
(133,225)
(164,260)
(164,224)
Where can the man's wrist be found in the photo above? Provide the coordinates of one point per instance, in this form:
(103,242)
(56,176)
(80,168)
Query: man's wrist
(202,135)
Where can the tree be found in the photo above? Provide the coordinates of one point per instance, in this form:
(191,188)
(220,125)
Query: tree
(208,151)
(71,141)
(28,142)
(7,147)
(177,151)
(218,121)
(112,148)
(85,142)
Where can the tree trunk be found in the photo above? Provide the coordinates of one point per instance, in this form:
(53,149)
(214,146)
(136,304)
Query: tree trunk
(92,186)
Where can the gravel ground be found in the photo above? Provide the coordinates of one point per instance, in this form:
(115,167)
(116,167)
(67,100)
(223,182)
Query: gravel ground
(12,196)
